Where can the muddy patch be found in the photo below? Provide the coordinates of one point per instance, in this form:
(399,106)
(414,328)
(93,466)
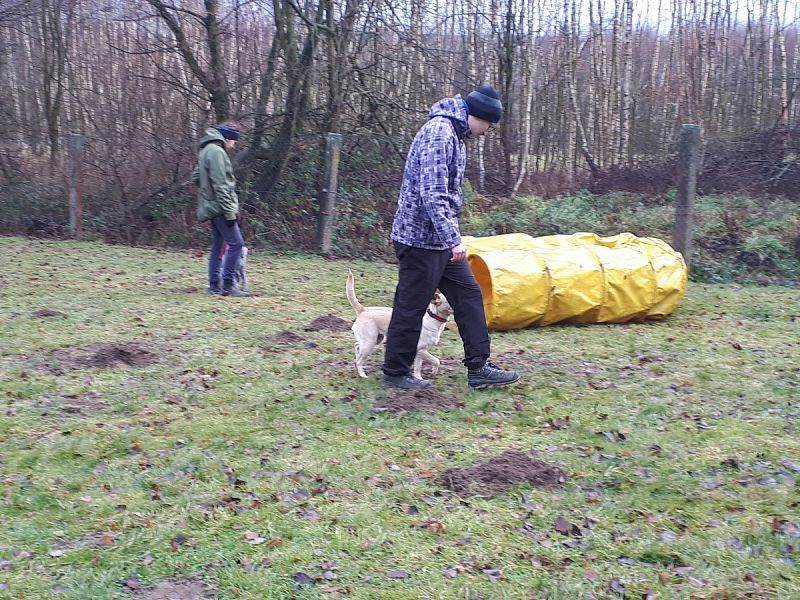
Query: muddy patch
(411,400)
(101,356)
(185,588)
(94,541)
(44,313)
(501,473)
(73,404)
(285,337)
(328,323)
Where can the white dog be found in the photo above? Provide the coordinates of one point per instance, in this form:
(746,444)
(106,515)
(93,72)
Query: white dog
(372,322)
(240,271)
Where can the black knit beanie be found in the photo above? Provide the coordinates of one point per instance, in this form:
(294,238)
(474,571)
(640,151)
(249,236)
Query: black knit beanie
(484,103)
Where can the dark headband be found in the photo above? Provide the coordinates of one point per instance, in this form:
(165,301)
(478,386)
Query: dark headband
(228,133)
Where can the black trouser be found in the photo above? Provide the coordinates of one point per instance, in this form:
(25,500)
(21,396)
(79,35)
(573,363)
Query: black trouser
(421,273)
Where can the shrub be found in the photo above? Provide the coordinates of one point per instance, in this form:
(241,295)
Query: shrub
(34,208)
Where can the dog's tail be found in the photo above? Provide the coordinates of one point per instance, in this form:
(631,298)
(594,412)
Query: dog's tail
(350,289)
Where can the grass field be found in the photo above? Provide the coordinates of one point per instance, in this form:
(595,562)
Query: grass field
(156,442)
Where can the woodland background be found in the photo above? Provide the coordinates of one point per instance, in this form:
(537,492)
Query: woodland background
(595,93)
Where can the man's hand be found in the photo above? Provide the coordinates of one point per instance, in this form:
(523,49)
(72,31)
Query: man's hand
(459,253)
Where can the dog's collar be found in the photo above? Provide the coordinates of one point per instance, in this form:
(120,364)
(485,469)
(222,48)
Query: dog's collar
(437,317)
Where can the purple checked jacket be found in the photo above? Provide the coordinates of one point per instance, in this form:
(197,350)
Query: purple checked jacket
(430,196)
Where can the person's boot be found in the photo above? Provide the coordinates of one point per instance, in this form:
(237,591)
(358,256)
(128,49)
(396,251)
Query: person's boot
(229,289)
(490,375)
(214,288)
(405,382)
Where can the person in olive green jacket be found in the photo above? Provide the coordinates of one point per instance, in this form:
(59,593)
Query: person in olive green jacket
(217,203)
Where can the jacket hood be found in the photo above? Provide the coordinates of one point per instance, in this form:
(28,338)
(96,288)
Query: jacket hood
(453,109)
(211,135)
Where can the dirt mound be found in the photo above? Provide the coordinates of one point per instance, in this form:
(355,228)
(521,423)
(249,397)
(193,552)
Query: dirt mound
(329,323)
(175,589)
(129,354)
(46,312)
(285,337)
(408,401)
(101,356)
(500,474)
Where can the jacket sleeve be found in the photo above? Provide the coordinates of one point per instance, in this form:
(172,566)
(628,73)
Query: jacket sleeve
(196,175)
(436,153)
(223,183)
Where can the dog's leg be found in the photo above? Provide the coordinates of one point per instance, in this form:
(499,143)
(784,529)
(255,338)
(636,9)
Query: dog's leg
(425,356)
(359,361)
(416,368)
(362,351)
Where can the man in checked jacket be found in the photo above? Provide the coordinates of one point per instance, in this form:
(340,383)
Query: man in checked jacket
(427,242)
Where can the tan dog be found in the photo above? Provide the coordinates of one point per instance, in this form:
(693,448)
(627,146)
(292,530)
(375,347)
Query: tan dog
(372,322)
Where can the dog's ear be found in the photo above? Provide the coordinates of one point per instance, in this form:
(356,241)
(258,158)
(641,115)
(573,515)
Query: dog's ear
(437,299)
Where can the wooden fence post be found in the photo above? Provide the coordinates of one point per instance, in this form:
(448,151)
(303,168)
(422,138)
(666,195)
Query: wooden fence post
(688,165)
(327,199)
(75,146)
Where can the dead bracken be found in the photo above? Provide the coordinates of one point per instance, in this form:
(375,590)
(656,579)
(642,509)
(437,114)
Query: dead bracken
(329,323)
(499,474)
(408,401)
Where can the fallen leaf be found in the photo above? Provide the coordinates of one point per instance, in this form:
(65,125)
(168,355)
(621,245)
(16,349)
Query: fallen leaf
(398,574)
(562,526)
(790,529)
(301,579)
(668,536)
(791,465)
(133,582)
(178,541)
(616,586)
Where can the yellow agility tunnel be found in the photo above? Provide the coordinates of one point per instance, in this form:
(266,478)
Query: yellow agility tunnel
(579,278)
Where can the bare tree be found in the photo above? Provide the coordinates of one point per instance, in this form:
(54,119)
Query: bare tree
(212,77)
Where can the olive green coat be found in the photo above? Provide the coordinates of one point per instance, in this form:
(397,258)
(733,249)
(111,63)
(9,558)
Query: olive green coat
(216,193)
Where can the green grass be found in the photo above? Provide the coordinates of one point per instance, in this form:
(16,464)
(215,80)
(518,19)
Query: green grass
(160,471)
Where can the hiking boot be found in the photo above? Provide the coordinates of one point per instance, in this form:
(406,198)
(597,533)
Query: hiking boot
(405,382)
(229,289)
(214,288)
(490,374)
